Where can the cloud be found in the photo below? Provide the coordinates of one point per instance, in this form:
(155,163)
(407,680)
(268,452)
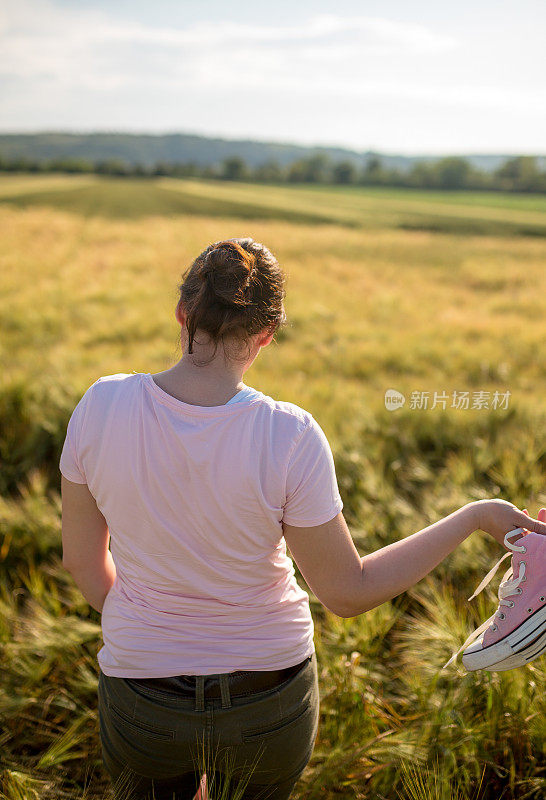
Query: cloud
(88,48)
(59,52)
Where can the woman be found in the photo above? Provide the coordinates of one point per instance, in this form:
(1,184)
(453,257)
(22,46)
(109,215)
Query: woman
(201,481)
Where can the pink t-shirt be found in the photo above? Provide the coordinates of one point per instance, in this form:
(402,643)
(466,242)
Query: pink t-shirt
(194,497)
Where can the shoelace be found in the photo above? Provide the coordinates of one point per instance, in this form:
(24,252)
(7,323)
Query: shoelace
(506,588)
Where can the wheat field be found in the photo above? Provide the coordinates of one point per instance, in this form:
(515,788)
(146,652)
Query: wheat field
(386,289)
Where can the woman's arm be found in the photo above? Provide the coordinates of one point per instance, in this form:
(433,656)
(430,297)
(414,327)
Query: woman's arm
(349,585)
(85,538)
(388,572)
(95,580)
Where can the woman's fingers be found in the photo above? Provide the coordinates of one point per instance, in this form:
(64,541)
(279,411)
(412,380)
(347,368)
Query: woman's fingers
(530,524)
(541,516)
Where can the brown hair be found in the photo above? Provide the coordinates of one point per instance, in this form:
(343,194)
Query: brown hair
(233,289)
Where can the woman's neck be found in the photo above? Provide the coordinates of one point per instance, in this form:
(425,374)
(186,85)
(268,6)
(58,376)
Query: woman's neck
(205,389)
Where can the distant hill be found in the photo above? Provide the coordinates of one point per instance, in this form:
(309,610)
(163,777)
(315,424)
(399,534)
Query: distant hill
(148,149)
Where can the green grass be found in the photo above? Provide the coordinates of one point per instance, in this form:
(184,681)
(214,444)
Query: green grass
(88,275)
(485,213)
(133,199)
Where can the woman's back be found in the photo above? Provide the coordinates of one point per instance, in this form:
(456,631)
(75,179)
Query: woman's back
(194,498)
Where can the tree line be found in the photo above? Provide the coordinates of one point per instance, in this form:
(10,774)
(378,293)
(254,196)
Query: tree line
(519,174)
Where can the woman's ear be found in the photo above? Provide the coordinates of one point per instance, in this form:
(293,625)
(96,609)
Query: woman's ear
(180,314)
(267,339)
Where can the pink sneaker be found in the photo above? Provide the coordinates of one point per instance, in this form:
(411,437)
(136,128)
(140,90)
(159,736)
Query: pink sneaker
(516,633)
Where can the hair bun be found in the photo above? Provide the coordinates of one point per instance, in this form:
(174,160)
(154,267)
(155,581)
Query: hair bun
(233,290)
(228,270)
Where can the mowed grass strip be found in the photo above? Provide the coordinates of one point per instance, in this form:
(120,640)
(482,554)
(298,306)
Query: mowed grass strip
(133,198)
(353,203)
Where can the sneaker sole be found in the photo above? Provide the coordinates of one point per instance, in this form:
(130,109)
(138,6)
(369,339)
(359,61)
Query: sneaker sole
(515,649)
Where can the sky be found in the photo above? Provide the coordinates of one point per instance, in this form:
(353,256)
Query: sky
(419,77)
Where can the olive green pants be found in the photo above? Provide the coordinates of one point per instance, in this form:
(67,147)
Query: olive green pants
(156,744)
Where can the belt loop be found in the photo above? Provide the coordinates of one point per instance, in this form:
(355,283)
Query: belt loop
(224,688)
(200,692)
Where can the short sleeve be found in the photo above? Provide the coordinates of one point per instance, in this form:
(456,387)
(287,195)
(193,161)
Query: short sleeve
(70,464)
(312,494)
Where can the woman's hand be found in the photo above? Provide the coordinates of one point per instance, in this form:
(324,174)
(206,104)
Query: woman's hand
(497,517)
